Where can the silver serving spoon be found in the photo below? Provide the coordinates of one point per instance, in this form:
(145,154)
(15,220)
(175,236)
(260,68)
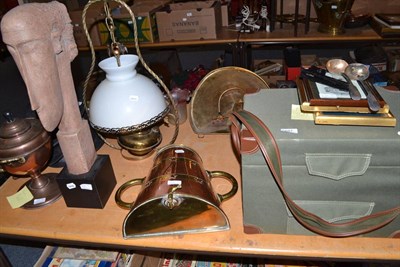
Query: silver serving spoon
(357,71)
(360,72)
(338,67)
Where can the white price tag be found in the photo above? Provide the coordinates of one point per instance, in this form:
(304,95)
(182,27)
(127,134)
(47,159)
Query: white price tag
(174,182)
(290,130)
(71,186)
(39,200)
(134,98)
(86,187)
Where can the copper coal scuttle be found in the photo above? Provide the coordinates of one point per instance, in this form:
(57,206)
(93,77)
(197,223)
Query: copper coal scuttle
(176,197)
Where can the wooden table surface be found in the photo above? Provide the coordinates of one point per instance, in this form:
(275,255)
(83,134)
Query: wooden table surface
(102,227)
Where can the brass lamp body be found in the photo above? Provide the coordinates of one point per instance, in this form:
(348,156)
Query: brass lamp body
(141,144)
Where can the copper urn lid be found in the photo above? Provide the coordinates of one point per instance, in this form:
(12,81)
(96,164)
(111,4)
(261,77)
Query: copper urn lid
(20,137)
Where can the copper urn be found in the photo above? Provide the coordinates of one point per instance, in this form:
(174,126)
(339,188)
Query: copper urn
(25,149)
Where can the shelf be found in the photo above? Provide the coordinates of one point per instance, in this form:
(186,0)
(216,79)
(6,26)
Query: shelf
(224,36)
(242,43)
(284,35)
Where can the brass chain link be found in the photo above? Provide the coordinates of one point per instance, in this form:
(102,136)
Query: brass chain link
(115,49)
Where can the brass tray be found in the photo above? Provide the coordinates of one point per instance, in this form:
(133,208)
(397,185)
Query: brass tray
(310,101)
(219,93)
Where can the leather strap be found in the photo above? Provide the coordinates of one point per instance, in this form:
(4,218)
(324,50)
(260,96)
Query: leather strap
(270,151)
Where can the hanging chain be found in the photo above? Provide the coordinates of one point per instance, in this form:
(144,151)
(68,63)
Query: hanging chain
(115,49)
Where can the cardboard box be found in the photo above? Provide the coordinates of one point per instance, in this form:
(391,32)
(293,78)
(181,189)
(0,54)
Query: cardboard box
(273,77)
(92,26)
(154,2)
(145,20)
(225,11)
(189,21)
(94,16)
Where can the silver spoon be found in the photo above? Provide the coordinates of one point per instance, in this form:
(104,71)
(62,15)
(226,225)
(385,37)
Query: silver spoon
(338,67)
(357,71)
(360,72)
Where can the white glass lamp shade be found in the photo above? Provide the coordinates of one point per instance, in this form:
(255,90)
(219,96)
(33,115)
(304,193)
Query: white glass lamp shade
(125,98)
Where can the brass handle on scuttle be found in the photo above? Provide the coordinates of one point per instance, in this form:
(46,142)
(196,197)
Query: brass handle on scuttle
(230,178)
(121,190)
